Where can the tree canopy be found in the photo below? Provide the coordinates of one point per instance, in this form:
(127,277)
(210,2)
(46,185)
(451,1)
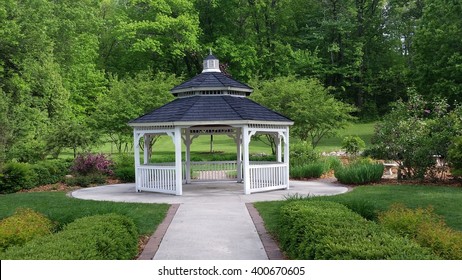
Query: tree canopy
(63,61)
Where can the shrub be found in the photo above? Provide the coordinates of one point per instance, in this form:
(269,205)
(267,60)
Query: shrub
(86,181)
(17,176)
(413,132)
(426,228)
(92,164)
(353,145)
(302,153)
(99,237)
(50,171)
(310,170)
(124,168)
(22,226)
(455,157)
(365,208)
(327,230)
(360,173)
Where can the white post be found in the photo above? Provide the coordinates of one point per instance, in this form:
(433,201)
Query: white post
(136,148)
(239,154)
(286,155)
(245,148)
(277,141)
(178,163)
(187,143)
(147,138)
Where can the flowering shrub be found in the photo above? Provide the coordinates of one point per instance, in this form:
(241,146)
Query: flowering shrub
(90,164)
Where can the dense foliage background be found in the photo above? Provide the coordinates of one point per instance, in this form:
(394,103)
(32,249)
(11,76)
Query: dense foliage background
(74,72)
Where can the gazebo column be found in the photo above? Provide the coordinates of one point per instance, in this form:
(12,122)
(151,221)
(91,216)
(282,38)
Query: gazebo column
(286,154)
(239,154)
(187,143)
(278,142)
(178,163)
(147,139)
(136,147)
(246,162)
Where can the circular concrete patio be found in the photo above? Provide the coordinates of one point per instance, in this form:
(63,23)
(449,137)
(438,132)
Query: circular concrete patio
(208,192)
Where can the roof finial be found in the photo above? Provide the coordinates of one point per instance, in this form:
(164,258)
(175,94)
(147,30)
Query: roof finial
(210,51)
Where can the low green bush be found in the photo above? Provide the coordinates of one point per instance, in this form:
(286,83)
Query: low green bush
(314,230)
(24,225)
(310,170)
(124,168)
(17,176)
(426,228)
(85,181)
(125,174)
(99,237)
(359,173)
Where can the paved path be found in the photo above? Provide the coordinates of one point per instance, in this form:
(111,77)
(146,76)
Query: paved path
(212,221)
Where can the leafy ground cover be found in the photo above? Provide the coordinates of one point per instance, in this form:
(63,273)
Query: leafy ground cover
(63,209)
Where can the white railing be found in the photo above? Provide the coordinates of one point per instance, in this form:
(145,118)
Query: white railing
(157,178)
(266,177)
(212,170)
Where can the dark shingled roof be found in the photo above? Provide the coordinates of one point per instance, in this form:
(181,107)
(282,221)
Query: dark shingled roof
(211,108)
(211,79)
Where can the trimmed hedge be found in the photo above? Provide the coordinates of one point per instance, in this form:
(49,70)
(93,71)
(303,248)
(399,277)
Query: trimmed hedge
(359,173)
(317,230)
(99,237)
(426,228)
(24,225)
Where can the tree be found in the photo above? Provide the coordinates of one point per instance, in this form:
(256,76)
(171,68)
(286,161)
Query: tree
(414,132)
(128,99)
(438,51)
(316,113)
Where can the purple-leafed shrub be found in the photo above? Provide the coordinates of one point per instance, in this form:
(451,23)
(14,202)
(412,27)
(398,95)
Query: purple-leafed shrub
(88,164)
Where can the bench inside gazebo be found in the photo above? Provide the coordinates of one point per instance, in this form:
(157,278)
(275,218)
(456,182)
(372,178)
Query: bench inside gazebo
(212,103)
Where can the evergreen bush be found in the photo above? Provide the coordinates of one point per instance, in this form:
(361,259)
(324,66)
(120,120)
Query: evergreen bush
(426,228)
(17,176)
(24,225)
(313,230)
(99,237)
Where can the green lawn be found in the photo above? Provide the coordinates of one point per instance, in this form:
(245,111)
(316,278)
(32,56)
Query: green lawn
(446,201)
(63,209)
(225,146)
(363,130)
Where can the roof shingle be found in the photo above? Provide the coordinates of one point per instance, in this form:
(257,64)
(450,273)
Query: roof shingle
(211,108)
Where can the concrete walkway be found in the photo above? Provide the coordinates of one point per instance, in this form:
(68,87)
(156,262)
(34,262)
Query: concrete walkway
(212,221)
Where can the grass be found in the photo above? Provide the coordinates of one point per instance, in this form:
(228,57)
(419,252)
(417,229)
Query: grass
(444,200)
(225,146)
(363,130)
(63,209)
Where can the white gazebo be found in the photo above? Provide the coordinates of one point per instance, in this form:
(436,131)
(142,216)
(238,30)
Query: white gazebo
(212,103)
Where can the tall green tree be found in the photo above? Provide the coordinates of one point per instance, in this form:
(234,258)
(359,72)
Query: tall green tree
(128,99)
(315,112)
(438,50)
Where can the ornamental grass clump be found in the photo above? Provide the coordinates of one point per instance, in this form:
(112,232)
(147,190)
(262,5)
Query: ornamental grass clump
(359,173)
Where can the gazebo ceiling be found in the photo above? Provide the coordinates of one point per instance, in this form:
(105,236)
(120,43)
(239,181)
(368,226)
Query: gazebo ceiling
(202,108)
